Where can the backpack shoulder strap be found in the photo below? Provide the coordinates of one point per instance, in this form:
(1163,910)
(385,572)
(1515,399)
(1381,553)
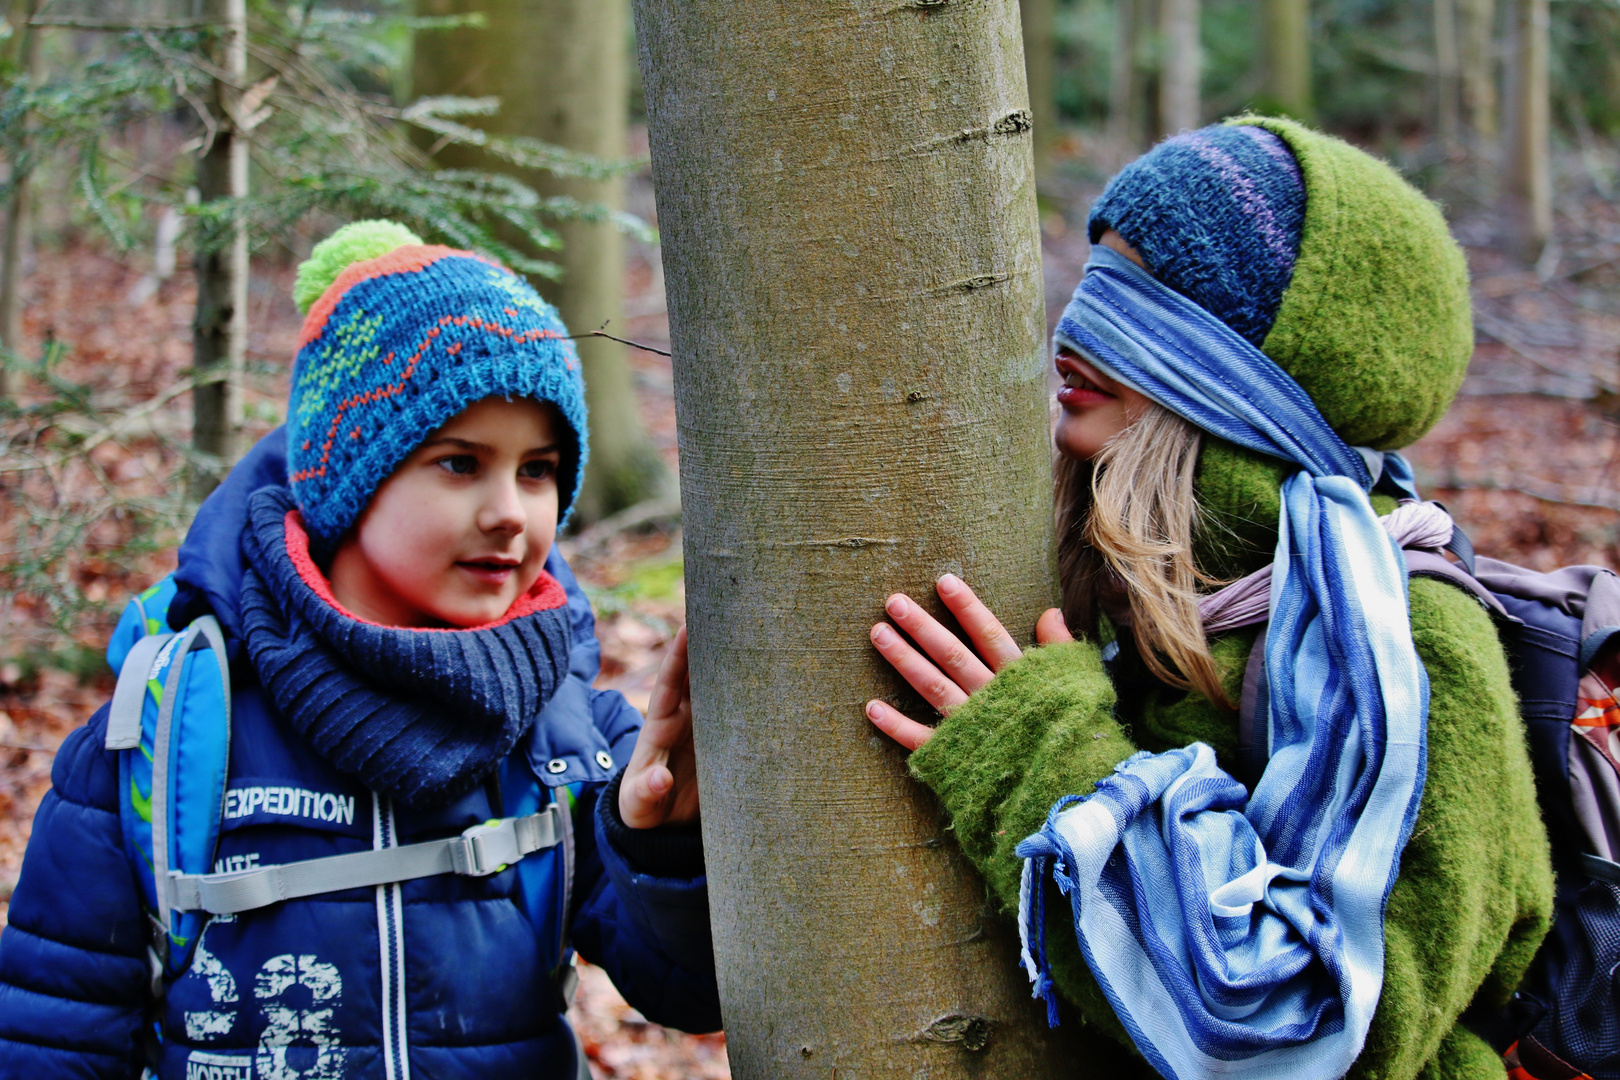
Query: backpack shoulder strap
(129,697)
(1431,565)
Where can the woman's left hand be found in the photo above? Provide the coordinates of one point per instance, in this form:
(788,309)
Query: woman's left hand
(955,671)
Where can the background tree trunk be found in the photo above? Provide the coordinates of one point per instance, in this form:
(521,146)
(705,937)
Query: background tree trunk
(1036,17)
(1124,88)
(1448,103)
(1527,202)
(14,243)
(1287,38)
(1181,67)
(1478,63)
(219,334)
(853,269)
(560,68)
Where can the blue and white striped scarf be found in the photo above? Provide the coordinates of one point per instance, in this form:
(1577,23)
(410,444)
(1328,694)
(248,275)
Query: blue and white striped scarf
(1240,933)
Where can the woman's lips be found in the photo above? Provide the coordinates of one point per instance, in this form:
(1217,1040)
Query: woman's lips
(1081,389)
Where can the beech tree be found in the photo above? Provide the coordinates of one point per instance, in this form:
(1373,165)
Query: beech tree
(1528,194)
(1182,65)
(1478,66)
(847,206)
(219,330)
(1037,17)
(1287,38)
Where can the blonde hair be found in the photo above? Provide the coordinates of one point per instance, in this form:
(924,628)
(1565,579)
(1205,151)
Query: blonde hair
(1130,516)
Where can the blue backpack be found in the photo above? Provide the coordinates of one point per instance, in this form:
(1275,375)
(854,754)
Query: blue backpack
(1563,1023)
(170,720)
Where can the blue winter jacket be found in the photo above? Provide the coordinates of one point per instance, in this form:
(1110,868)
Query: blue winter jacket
(437,977)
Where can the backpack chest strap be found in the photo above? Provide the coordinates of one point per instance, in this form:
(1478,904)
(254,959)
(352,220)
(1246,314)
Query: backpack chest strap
(480,850)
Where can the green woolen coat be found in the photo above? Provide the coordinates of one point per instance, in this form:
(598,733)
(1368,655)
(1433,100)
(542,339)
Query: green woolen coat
(1474,895)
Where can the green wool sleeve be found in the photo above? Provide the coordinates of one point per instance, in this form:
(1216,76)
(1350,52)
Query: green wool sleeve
(1042,728)
(1474,895)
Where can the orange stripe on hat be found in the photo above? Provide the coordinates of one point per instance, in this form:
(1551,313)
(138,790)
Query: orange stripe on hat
(408,259)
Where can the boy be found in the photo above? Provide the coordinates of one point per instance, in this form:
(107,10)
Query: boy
(409,658)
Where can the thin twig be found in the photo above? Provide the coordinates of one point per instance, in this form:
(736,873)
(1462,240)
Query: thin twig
(622,341)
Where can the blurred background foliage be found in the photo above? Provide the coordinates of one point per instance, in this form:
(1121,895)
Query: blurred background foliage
(1373,67)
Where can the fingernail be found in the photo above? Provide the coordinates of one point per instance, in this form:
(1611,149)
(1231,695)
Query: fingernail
(880,633)
(949,583)
(871,710)
(895,605)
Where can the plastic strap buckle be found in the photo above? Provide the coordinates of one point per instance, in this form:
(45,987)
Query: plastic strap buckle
(492,846)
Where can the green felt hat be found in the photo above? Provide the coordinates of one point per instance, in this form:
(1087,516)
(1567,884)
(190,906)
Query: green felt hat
(1375,325)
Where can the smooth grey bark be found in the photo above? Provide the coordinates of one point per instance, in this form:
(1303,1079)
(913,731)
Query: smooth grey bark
(1182,66)
(560,68)
(847,204)
(1287,37)
(1036,18)
(1448,91)
(1478,63)
(219,330)
(1124,88)
(14,242)
(1527,195)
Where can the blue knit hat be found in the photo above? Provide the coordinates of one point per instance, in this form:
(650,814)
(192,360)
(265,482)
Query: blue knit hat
(405,337)
(1217,214)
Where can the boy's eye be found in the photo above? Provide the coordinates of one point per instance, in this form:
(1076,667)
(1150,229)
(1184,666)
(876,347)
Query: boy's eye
(538,469)
(459,464)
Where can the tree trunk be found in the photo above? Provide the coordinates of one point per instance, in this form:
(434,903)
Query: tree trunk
(1527,203)
(1287,36)
(1478,62)
(853,269)
(1182,66)
(1124,91)
(14,244)
(559,68)
(1036,17)
(1448,104)
(219,333)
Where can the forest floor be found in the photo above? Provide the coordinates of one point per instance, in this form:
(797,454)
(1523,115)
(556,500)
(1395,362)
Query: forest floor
(1525,460)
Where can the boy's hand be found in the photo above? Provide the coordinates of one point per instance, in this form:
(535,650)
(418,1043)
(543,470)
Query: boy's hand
(660,783)
(959,671)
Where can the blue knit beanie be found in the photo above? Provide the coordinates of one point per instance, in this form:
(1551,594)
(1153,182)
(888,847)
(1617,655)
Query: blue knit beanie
(1217,214)
(405,337)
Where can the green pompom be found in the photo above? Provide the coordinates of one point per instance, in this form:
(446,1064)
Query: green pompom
(353,243)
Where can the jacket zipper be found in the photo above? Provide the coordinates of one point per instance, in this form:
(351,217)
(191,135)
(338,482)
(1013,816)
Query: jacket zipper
(391,948)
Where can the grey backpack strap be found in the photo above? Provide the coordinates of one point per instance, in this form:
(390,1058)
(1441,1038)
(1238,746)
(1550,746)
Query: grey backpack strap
(478,851)
(1430,564)
(204,631)
(124,718)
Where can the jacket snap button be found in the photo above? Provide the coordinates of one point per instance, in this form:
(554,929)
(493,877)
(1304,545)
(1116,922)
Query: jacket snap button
(556,765)
(604,759)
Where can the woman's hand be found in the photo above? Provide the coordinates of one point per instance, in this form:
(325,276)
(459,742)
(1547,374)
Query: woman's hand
(955,671)
(660,783)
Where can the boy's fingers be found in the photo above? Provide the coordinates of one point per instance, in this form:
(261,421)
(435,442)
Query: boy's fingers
(1051,629)
(672,681)
(989,637)
(897,725)
(642,798)
(936,689)
(955,659)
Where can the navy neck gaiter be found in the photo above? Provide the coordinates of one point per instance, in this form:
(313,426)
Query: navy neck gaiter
(420,715)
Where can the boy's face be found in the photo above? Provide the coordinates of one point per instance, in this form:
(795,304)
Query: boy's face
(463,527)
